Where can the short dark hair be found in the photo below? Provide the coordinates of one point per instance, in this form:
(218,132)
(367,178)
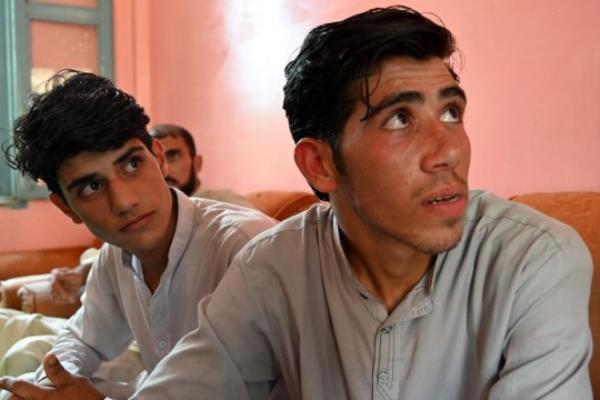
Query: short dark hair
(161,131)
(332,69)
(80,112)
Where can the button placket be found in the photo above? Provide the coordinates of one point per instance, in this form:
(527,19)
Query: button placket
(384,373)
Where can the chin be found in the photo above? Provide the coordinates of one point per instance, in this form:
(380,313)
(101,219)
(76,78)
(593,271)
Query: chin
(440,242)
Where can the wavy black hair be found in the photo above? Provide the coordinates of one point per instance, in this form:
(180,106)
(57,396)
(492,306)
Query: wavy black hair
(332,69)
(81,112)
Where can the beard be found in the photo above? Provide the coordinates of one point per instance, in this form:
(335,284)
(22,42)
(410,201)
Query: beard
(186,187)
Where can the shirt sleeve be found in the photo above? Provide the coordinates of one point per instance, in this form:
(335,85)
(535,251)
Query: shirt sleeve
(549,345)
(227,357)
(98,331)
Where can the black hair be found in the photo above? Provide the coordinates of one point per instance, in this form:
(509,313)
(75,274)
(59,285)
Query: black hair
(163,130)
(332,69)
(81,112)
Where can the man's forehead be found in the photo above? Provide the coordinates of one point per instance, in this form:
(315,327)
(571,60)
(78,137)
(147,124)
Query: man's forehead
(396,76)
(174,142)
(410,72)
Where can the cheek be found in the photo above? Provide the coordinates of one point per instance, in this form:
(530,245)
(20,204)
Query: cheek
(176,168)
(96,216)
(382,172)
(466,150)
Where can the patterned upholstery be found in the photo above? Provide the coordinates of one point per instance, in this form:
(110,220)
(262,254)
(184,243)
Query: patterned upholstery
(581,210)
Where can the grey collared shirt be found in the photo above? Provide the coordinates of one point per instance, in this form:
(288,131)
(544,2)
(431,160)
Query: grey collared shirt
(118,307)
(503,315)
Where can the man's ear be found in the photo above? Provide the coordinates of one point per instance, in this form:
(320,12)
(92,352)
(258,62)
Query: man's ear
(314,158)
(197,162)
(64,207)
(159,152)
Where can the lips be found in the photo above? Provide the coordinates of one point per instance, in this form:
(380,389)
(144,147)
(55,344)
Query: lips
(448,202)
(444,199)
(137,223)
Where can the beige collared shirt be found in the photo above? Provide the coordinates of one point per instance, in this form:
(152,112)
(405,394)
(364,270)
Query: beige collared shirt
(118,307)
(503,315)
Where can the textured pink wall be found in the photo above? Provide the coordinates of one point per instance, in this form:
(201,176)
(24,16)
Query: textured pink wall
(531,70)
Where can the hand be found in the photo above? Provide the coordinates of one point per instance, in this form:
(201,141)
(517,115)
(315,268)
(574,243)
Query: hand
(66,385)
(67,283)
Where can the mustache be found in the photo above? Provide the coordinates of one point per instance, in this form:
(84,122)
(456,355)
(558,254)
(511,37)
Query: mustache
(452,179)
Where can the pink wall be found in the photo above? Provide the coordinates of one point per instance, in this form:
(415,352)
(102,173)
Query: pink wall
(530,70)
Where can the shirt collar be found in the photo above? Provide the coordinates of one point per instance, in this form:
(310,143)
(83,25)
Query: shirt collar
(185,209)
(183,229)
(341,254)
(418,301)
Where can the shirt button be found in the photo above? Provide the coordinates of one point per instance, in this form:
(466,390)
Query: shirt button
(383,378)
(386,330)
(162,344)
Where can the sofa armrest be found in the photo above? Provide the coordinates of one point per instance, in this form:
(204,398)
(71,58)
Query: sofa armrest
(36,297)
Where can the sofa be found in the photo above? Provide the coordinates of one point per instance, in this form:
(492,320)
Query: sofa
(24,279)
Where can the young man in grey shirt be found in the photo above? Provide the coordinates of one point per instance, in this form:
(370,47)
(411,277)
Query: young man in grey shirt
(164,251)
(407,286)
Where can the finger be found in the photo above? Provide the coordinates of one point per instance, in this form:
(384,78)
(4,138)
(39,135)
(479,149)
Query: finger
(58,292)
(72,286)
(71,299)
(21,389)
(69,277)
(56,372)
(59,270)
(72,293)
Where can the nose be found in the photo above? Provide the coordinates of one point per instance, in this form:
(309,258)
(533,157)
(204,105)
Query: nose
(123,196)
(445,148)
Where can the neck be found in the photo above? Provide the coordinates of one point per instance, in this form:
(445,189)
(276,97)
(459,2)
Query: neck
(387,270)
(154,262)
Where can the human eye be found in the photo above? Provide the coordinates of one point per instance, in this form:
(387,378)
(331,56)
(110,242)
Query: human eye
(399,120)
(452,114)
(90,189)
(133,164)
(172,155)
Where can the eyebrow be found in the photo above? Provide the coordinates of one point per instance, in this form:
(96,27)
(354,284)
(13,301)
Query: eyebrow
(84,180)
(128,154)
(413,97)
(402,97)
(452,91)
